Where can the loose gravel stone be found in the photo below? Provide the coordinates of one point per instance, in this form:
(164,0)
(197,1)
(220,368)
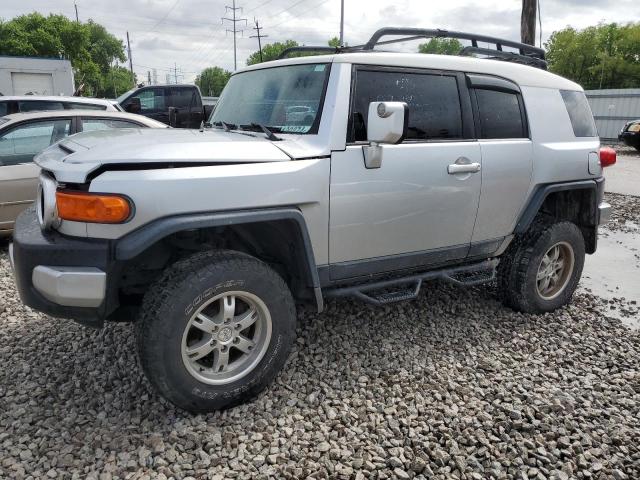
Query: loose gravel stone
(452,385)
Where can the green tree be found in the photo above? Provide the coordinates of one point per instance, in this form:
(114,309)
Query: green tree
(334,42)
(116,81)
(270,51)
(212,80)
(603,56)
(90,48)
(441,46)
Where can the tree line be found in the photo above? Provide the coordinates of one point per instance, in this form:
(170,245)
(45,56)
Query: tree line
(602,56)
(92,50)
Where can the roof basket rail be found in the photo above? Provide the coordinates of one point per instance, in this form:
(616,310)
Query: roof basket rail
(526,54)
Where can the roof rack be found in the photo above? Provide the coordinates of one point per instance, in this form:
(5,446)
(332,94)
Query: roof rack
(526,54)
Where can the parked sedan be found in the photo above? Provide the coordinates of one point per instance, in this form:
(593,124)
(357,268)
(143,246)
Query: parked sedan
(23,135)
(630,134)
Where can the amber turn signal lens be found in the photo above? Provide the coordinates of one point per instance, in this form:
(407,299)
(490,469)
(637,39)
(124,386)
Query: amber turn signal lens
(91,207)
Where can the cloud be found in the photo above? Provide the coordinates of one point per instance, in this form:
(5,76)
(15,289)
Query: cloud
(191,34)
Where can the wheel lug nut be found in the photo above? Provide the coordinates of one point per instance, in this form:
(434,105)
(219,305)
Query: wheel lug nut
(236,340)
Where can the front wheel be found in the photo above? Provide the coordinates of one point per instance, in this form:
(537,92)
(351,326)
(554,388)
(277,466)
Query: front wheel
(540,271)
(215,330)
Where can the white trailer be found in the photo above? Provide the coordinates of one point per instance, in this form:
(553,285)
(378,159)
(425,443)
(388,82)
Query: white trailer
(36,76)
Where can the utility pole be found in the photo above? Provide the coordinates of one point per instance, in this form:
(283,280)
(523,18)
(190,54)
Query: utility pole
(257,28)
(175,72)
(76,7)
(148,77)
(341,23)
(528,22)
(133,77)
(235,20)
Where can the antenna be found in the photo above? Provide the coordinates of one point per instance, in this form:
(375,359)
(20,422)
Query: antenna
(234,20)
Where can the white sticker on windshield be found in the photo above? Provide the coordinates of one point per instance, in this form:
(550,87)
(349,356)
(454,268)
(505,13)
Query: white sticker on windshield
(319,68)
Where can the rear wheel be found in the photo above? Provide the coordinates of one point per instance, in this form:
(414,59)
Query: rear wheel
(540,271)
(215,330)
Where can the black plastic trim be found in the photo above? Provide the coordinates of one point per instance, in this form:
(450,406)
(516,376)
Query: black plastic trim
(381,265)
(489,82)
(541,193)
(139,240)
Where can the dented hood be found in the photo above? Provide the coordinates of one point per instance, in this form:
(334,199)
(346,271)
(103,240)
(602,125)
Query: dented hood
(74,158)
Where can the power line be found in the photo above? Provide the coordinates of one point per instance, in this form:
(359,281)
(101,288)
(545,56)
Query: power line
(257,28)
(234,20)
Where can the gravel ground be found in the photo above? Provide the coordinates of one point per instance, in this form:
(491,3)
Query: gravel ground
(452,385)
(625,216)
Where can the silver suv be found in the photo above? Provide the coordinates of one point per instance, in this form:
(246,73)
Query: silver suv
(415,167)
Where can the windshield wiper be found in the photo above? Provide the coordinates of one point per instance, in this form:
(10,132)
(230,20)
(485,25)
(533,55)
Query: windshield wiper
(227,127)
(260,127)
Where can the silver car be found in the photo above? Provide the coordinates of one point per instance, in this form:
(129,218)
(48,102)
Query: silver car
(23,135)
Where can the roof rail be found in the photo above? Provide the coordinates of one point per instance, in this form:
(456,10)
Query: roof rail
(526,54)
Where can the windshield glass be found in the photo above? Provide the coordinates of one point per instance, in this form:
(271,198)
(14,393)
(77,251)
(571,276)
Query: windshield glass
(285,99)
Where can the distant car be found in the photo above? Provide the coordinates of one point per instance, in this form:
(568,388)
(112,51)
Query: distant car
(37,103)
(23,135)
(630,134)
(301,114)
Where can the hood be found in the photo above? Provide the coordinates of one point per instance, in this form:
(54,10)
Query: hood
(75,157)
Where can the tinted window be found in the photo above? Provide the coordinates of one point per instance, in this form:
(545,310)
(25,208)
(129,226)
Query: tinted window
(93,124)
(579,113)
(3,109)
(433,100)
(500,115)
(85,106)
(20,144)
(151,100)
(183,97)
(38,106)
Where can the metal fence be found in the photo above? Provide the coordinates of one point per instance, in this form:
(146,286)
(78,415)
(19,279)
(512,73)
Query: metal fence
(613,108)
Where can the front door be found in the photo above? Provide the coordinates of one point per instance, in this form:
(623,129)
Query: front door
(417,209)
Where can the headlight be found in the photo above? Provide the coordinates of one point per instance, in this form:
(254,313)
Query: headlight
(46,202)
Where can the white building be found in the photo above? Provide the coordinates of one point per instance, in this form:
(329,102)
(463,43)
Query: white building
(38,76)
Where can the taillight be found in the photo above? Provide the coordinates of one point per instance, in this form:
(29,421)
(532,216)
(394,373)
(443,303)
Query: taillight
(607,156)
(92,207)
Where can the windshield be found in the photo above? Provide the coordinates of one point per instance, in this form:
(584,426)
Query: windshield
(284,99)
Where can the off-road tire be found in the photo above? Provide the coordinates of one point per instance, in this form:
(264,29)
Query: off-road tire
(182,289)
(518,269)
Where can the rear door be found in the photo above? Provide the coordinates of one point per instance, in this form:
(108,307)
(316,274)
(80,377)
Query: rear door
(507,158)
(414,210)
(188,106)
(18,174)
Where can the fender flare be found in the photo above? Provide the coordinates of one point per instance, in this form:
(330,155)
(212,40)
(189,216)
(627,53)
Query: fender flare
(543,191)
(139,240)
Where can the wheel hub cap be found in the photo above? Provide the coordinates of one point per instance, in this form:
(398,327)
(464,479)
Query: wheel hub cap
(226,337)
(555,270)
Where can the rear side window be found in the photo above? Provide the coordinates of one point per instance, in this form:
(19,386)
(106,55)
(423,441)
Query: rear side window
(433,100)
(93,124)
(38,106)
(3,109)
(500,114)
(84,106)
(579,113)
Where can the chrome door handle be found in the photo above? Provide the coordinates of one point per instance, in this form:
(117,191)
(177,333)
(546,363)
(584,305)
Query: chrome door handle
(463,168)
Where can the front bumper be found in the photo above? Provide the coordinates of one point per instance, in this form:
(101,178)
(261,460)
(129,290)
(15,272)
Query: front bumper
(62,276)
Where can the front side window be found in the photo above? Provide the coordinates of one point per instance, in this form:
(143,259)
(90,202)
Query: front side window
(183,97)
(500,114)
(286,99)
(38,106)
(579,113)
(21,143)
(151,100)
(434,103)
(93,124)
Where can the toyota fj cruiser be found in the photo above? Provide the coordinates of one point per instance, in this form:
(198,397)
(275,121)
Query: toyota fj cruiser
(404,168)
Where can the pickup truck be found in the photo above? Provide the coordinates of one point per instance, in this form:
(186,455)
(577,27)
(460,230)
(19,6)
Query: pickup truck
(180,106)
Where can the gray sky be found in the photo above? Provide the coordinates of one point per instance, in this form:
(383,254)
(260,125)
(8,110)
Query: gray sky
(190,32)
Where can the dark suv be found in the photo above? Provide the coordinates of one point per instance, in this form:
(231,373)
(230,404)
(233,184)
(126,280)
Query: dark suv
(630,134)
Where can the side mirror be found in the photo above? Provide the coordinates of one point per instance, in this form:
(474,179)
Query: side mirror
(173,117)
(387,123)
(134,105)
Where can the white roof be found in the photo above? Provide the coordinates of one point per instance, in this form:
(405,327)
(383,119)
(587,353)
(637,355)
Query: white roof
(58,98)
(523,75)
(19,117)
